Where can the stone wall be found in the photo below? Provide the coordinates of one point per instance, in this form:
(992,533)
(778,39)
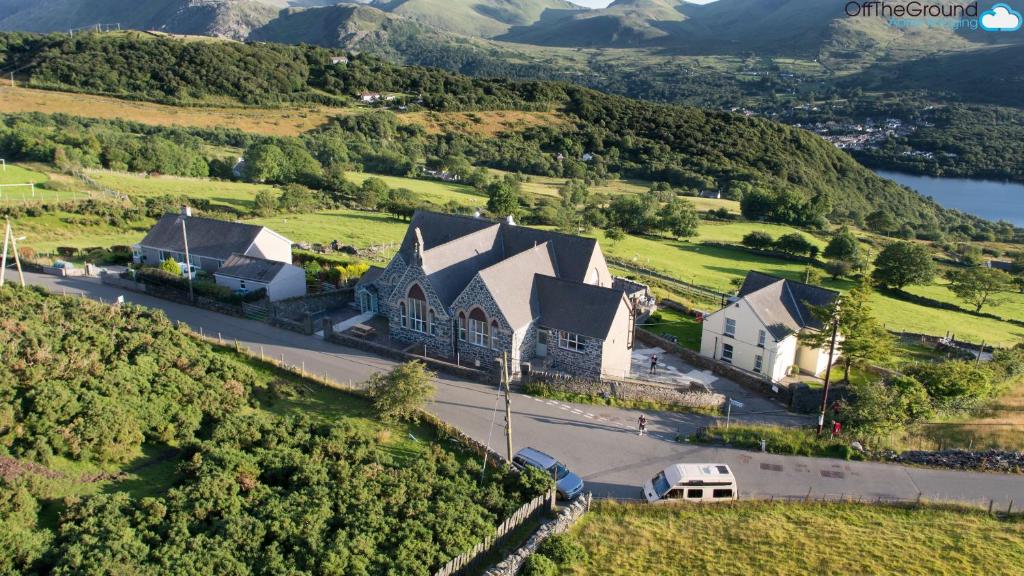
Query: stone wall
(476,295)
(564,521)
(694,396)
(780,392)
(583,364)
(438,337)
(294,308)
(488,377)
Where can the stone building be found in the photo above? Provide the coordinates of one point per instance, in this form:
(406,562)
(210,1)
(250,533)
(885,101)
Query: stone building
(470,289)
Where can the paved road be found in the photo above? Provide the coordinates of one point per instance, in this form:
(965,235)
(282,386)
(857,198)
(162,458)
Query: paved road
(599,443)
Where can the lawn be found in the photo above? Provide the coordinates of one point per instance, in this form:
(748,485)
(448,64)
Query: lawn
(683,326)
(353,227)
(14,191)
(1009,305)
(796,538)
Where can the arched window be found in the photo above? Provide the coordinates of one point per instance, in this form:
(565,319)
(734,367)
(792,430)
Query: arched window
(417,309)
(462,326)
(494,334)
(432,323)
(478,333)
(402,315)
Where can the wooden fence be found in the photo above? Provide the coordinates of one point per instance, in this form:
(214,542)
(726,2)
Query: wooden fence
(462,563)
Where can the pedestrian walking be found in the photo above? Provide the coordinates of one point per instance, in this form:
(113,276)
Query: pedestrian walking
(654,363)
(641,423)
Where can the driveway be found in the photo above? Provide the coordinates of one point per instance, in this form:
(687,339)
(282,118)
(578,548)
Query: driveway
(600,443)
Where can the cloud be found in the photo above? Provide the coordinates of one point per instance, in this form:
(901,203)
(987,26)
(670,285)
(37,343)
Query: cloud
(1001,18)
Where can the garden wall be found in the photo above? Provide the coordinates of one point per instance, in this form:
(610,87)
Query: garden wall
(780,392)
(693,396)
(566,519)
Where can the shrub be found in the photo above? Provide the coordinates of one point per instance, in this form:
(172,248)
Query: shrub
(170,266)
(399,394)
(758,240)
(539,565)
(563,549)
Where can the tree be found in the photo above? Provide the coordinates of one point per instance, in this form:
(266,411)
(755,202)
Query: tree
(795,243)
(838,269)
(574,193)
(171,267)
(372,193)
(980,286)
(842,246)
(680,218)
(503,197)
(265,163)
(634,214)
(904,263)
(758,240)
(297,199)
(614,235)
(812,275)
(864,339)
(880,221)
(399,394)
(879,409)
(265,203)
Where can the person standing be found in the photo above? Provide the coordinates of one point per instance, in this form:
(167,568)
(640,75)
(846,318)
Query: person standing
(654,363)
(641,423)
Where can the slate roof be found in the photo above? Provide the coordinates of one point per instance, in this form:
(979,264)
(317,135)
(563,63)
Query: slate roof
(370,275)
(576,307)
(510,283)
(251,268)
(784,305)
(217,239)
(572,253)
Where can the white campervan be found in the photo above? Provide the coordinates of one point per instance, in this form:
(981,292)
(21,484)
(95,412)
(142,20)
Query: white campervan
(692,483)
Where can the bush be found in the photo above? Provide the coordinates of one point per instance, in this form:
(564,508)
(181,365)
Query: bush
(539,565)
(563,549)
(399,394)
(758,240)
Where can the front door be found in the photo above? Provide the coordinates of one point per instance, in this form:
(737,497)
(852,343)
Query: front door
(542,343)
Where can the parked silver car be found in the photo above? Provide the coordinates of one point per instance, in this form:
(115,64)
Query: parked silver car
(567,484)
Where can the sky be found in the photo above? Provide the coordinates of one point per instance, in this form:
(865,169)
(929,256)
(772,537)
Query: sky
(603,3)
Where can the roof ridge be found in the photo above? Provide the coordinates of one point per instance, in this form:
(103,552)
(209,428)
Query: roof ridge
(463,237)
(796,304)
(529,251)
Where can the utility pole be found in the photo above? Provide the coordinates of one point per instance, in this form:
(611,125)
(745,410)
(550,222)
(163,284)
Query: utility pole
(828,370)
(506,377)
(9,239)
(188,259)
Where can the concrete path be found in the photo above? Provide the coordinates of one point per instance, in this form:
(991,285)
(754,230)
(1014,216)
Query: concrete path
(599,443)
(346,324)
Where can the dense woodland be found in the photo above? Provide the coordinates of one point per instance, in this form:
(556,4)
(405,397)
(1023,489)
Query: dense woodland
(684,146)
(254,493)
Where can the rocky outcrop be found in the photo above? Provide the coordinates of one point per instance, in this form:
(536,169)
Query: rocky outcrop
(985,461)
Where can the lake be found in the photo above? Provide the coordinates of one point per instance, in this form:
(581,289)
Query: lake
(989,199)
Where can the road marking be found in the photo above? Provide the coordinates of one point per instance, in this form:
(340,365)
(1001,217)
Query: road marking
(577,411)
(564,408)
(588,416)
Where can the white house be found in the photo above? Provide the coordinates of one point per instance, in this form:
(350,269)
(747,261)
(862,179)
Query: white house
(247,274)
(758,331)
(210,242)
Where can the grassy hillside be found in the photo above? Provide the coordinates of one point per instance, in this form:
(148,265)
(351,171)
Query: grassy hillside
(818,539)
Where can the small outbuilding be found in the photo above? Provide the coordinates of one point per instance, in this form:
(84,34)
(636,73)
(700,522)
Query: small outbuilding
(246,274)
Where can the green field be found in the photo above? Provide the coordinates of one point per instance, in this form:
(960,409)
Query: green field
(237,195)
(684,327)
(434,191)
(795,539)
(353,227)
(12,190)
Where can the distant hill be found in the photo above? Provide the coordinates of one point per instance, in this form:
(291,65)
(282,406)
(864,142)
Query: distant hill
(484,18)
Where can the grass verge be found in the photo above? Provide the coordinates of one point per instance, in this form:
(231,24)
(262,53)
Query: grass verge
(796,538)
(779,440)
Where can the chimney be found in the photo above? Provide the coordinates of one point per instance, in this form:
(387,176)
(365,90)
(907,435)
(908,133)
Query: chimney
(186,211)
(418,247)
(510,220)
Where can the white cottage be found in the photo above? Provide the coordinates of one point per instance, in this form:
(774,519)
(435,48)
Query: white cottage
(758,331)
(245,274)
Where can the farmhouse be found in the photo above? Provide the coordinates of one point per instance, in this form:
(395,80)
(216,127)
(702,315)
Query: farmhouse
(758,330)
(246,274)
(210,242)
(470,289)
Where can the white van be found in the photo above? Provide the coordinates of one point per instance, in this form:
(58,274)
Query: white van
(692,483)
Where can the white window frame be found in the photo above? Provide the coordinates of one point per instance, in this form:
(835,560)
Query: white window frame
(402,314)
(762,337)
(432,323)
(418,315)
(727,353)
(478,333)
(758,363)
(571,341)
(730,333)
(463,327)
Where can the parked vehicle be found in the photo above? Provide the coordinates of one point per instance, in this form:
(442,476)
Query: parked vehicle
(692,483)
(568,484)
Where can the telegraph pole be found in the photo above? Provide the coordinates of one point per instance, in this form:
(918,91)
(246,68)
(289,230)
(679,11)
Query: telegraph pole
(188,260)
(828,370)
(9,239)
(506,377)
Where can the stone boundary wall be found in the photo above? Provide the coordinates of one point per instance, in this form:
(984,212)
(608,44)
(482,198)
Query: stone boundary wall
(780,392)
(566,519)
(388,352)
(171,294)
(297,307)
(693,396)
(807,400)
